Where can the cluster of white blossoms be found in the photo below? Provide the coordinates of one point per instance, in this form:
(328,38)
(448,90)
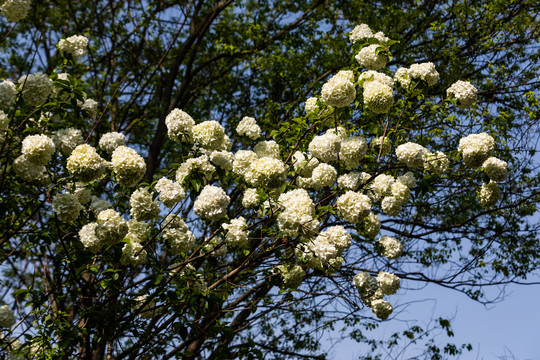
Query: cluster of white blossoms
(373,290)
(350,181)
(378,97)
(489,194)
(425,72)
(304,164)
(179,125)
(297,217)
(177,234)
(90,106)
(133,252)
(97,205)
(381,186)
(237,236)
(15,10)
(109,229)
(291,275)
(370,59)
(66,207)
(324,252)
(129,167)
(36,88)
(339,90)
(143,206)
(411,154)
(311,106)
(495,169)
(267,149)
(476,148)
(325,147)
(353,206)
(391,247)
(222,159)
(266,172)
(370,75)
(211,203)
(363,32)
(170,192)
(67,140)
(381,145)
(388,283)
(248,127)
(83,194)
(323,175)
(242,161)
(38,149)
(352,151)
(8,94)
(437,163)
(75,45)
(201,164)
(370,226)
(85,164)
(7,318)
(210,135)
(111,140)
(251,198)
(464,92)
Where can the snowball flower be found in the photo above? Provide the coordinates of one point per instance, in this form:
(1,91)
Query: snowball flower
(75,45)
(267,149)
(90,106)
(337,236)
(350,181)
(111,140)
(408,179)
(212,203)
(66,206)
(411,154)
(28,170)
(391,205)
(242,161)
(323,175)
(391,247)
(371,225)
(381,185)
(179,125)
(291,275)
(400,191)
(38,148)
(133,254)
(424,71)
(325,147)
(178,235)
(353,206)
(389,283)
(438,163)
(489,194)
(250,198)
(68,139)
(36,88)
(378,97)
(311,106)
(402,77)
(267,172)
(111,228)
(464,92)
(170,192)
(85,164)
(365,284)
(304,163)
(223,159)
(368,58)
(129,167)
(88,237)
(210,135)
(143,207)
(7,318)
(381,308)
(248,127)
(495,169)
(15,10)
(97,205)
(352,151)
(201,164)
(8,94)
(236,236)
(476,148)
(338,92)
(360,32)
(371,75)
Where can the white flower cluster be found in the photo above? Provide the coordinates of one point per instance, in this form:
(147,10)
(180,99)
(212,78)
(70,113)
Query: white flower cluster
(424,71)
(325,147)
(250,198)
(291,275)
(66,206)
(111,140)
(8,94)
(324,252)
(353,206)
(248,127)
(304,164)
(97,205)
(408,179)
(266,172)
(210,135)
(90,106)
(370,75)
(352,151)
(476,148)
(143,207)
(15,10)
(297,215)
(177,234)
(381,145)
(129,167)
(438,162)
(111,228)
(323,175)
(495,169)
(237,236)
(350,181)
(381,308)
(85,164)
(267,149)
(339,90)
(372,290)
(371,225)
(179,125)
(391,206)
(67,140)
(38,149)
(242,161)
(360,32)
(75,45)
(311,106)
(133,253)
(170,193)
(83,194)
(391,247)
(7,318)
(411,154)
(212,203)
(88,237)
(381,186)
(36,88)
(401,76)
(378,97)
(365,284)
(388,283)
(223,159)
(464,92)
(370,59)
(201,164)
(489,194)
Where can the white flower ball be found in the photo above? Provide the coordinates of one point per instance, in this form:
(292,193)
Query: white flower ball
(85,164)
(129,167)
(325,147)
(97,205)
(304,163)
(323,175)
(236,236)
(212,203)
(371,75)
(381,37)
(248,127)
(242,161)
(67,207)
(7,318)
(15,10)
(411,154)
(496,169)
(476,148)
(291,275)
(111,140)
(352,151)
(360,32)
(353,206)
(179,125)
(338,92)
(381,308)
(408,179)
(201,163)
(67,140)
(178,235)
(365,284)
(90,106)
(391,247)
(223,159)
(402,77)
(337,236)
(424,71)
(267,172)
(464,92)
(143,207)
(111,228)
(389,283)
(350,181)
(210,135)
(297,200)
(311,106)
(371,226)
(38,148)
(438,163)
(381,186)
(489,195)
(137,231)
(267,149)
(75,45)
(36,88)
(170,193)
(250,198)
(133,254)
(378,97)
(400,191)
(8,94)
(368,58)
(391,206)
